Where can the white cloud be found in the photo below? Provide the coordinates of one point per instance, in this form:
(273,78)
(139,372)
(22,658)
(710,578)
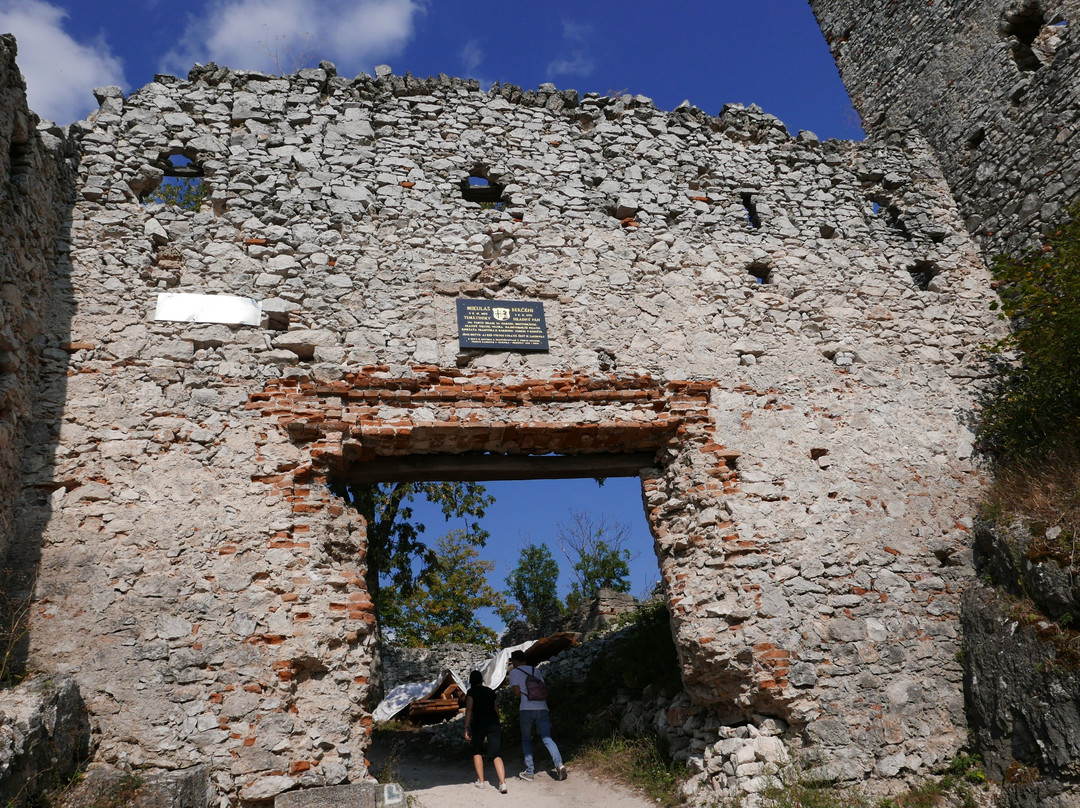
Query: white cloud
(575,60)
(60,72)
(471,56)
(281,36)
(577,64)
(576,31)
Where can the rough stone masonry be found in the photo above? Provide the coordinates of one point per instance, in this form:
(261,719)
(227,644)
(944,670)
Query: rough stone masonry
(991,85)
(790,327)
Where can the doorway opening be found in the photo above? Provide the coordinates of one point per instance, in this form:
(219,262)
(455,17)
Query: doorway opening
(499,562)
(438,423)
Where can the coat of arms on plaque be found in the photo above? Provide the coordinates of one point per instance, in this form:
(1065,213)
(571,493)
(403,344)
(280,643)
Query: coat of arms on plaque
(500,313)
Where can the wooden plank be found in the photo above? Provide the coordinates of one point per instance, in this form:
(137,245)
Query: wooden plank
(483,467)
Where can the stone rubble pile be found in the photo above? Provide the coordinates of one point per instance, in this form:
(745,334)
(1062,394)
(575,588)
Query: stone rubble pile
(744,762)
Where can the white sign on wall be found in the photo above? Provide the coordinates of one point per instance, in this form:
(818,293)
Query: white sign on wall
(185,307)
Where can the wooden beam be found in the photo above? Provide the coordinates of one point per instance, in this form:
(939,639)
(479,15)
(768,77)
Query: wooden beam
(483,467)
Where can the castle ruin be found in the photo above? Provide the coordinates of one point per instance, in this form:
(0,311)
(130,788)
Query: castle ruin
(781,335)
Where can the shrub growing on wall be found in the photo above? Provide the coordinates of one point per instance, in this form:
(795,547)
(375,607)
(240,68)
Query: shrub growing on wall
(1035,408)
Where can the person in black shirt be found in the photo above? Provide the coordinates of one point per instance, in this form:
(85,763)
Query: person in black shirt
(482,721)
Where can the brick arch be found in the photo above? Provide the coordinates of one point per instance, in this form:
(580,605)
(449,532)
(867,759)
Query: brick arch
(369,416)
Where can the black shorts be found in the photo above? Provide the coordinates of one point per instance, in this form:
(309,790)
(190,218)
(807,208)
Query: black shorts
(493,733)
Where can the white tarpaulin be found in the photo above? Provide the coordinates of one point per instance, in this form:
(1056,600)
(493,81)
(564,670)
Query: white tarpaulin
(494,671)
(403,695)
(191,308)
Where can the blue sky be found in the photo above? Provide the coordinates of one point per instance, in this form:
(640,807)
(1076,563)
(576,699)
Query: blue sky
(709,52)
(529,512)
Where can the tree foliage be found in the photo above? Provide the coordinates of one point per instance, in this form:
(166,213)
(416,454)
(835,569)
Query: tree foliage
(394,539)
(441,605)
(597,553)
(187,193)
(1035,408)
(533,587)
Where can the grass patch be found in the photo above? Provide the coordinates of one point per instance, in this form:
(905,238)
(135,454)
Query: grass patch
(16,601)
(638,763)
(1046,492)
(954,788)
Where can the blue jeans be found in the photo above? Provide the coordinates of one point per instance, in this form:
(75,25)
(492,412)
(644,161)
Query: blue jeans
(540,720)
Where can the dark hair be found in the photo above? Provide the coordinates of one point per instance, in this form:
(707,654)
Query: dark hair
(517,656)
(476,678)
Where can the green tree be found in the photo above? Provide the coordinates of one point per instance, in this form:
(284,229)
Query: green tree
(1035,408)
(394,538)
(442,607)
(597,553)
(533,586)
(187,193)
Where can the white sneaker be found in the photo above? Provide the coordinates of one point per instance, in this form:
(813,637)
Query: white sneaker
(502,788)
(479,784)
(526,776)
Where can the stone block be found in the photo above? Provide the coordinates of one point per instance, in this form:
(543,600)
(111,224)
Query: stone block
(360,795)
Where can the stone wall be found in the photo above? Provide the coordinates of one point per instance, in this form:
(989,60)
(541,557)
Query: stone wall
(1021,659)
(1023,697)
(44,738)
(35,303)
(798,357)
(399,666)
(989,83)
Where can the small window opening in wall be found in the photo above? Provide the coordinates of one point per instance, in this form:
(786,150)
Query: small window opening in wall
(19,163)
(751,210)
(875,208)
(477,188)
(1024,29)
(760,272)
(183,185)
(975,139)
(896,221)
(922,273)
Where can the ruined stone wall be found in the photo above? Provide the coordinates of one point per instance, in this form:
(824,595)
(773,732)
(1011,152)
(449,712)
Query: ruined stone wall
(800,359)
(400,666)
(989,83)
(35,191)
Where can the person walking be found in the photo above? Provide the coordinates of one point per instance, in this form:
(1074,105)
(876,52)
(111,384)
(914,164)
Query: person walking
(527,683)
(482,721)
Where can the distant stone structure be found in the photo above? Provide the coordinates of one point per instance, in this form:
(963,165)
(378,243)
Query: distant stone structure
(990,84)
(784,332)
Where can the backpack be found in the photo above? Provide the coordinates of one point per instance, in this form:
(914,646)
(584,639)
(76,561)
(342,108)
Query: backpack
(535,689)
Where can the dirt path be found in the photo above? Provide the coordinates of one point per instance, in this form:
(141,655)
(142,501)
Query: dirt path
(439,784)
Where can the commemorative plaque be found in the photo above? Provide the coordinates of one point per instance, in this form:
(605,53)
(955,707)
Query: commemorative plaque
(502,325)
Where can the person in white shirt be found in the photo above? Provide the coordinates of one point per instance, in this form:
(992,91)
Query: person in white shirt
(533,714)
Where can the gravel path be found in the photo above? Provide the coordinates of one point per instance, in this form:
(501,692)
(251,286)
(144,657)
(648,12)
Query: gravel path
(440,784)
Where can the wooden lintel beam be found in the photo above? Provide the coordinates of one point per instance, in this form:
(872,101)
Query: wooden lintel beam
(479,468)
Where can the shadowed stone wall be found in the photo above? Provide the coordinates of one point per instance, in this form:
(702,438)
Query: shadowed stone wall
(35,199)
(791,328)
(989,83)
(36,195)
